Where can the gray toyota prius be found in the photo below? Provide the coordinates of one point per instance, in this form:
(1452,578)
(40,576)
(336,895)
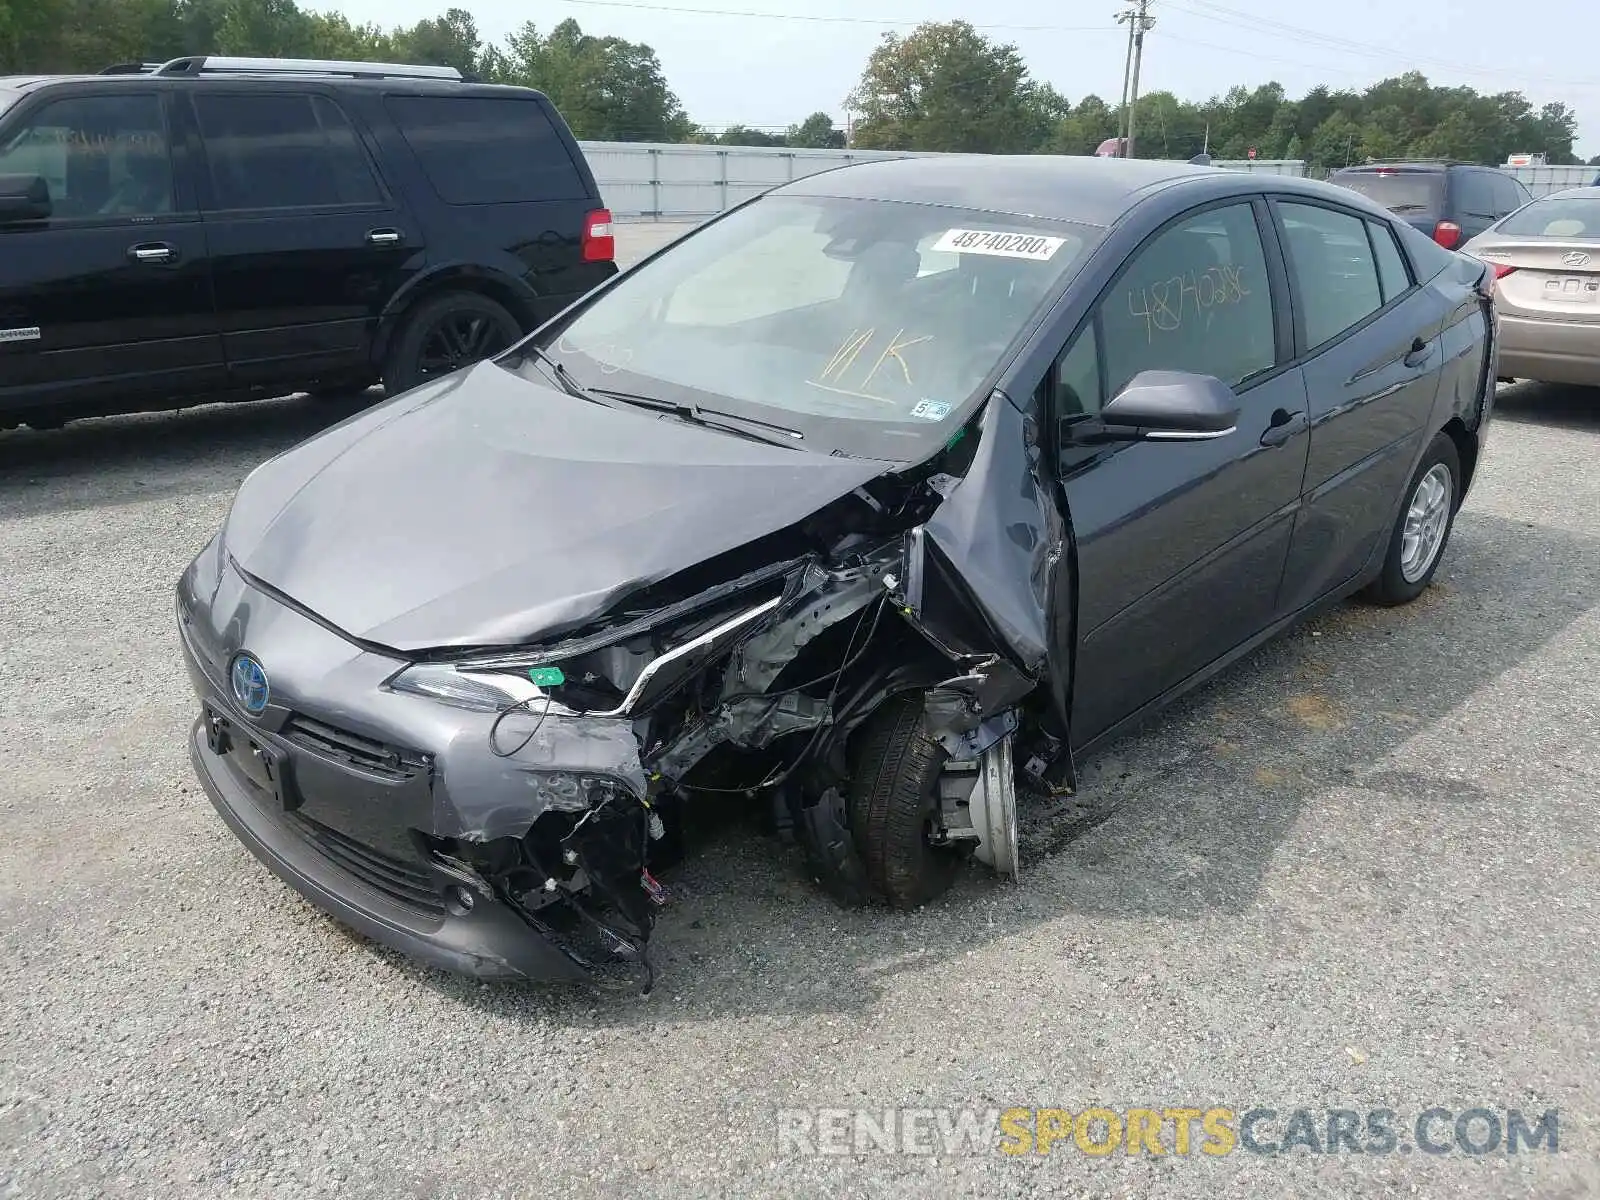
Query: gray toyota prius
(871,505)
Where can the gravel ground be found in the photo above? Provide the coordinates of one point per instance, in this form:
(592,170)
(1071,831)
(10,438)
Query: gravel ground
(1358,871)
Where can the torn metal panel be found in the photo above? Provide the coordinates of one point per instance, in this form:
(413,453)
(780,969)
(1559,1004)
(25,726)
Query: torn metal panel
(1002,536)
(754,723)
(825,597)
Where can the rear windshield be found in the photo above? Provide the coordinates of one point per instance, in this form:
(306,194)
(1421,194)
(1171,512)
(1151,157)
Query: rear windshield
(1398,191)
(488,149)
(1573,217)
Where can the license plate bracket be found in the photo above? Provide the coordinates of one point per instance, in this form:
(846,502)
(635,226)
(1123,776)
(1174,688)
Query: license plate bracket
(251,757)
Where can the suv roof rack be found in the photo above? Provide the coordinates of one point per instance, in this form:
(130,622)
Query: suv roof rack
(213,64)
(131,68)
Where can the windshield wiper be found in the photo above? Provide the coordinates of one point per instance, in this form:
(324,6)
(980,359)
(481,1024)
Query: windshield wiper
(710,417)
(563,376)
(1400,208)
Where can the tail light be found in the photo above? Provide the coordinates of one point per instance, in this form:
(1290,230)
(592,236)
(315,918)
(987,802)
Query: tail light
(1447,234)
(1501,270)
(599,245)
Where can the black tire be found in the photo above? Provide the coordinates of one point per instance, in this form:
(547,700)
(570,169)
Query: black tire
(445,333)
(1401,582)
(894,792)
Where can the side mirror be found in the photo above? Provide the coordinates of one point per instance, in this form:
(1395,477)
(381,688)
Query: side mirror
(23,198)
(1170,406)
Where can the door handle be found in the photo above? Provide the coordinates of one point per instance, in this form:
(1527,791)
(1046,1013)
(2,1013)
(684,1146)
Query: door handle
(153,253)
(1419,353)
(384,237)
(1284,426)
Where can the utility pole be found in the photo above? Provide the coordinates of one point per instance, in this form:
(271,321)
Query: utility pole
(1127,75)
(1140,22)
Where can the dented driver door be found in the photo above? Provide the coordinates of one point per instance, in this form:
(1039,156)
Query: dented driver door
(1181,545)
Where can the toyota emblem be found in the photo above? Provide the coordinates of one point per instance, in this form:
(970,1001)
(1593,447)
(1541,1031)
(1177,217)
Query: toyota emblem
(250,687)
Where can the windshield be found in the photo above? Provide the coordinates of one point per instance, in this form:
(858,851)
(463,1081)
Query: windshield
(1402,191)
(865,325)
(1576,217)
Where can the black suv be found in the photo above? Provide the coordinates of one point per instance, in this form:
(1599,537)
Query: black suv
(216,228)
(1451,202)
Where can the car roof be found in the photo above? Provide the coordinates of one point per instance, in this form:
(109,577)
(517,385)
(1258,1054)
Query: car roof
(407,83)
(1091,191)
(1585,191)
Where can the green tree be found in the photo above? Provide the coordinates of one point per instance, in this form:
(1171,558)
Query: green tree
(1336,142)
(743,135)
(944,86)
(607,88)
(816,132)
(447,41)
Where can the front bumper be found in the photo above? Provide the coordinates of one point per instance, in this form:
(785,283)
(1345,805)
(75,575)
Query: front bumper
(322,791)
(397,904)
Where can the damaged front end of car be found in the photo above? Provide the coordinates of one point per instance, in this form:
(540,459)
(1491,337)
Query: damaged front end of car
(751,675)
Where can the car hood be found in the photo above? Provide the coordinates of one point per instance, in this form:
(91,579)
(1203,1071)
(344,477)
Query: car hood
(488,510)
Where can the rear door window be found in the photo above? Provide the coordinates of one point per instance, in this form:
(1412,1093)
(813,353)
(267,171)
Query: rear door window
(1334,269)
(266,151)
(487,150)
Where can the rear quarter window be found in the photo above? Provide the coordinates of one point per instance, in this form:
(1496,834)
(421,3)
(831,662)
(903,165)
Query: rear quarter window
(1427,257)
(487,149)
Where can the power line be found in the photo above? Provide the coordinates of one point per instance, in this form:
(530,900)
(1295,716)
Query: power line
(1223,15)
(772,16)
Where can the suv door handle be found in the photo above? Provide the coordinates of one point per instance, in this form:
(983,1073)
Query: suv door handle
(1419,353)
(384,237)
(153,253)
(1284,426)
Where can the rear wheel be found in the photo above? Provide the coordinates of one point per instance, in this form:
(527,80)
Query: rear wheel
(1423,527)
(444,334)
(894,805)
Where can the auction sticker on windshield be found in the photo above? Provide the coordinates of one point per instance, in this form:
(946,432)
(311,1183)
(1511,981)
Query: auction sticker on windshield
(1002,245)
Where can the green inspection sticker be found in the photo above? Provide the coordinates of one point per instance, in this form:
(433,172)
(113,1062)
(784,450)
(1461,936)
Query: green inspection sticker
(546,676)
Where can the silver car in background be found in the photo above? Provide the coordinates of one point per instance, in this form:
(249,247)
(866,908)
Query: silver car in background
(1546,259)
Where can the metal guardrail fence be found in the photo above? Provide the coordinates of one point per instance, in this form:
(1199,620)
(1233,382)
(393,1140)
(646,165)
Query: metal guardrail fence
(1541,181)
(667,181)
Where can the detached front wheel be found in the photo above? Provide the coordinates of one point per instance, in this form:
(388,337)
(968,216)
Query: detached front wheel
(894,805)
(444,334)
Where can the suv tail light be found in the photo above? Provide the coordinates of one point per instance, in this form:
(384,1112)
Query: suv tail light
(1447,234)
(598,243)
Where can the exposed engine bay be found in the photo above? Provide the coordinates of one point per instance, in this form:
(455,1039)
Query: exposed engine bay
(869,677)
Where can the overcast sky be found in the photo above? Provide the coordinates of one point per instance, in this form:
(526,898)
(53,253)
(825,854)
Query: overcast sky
(765,70)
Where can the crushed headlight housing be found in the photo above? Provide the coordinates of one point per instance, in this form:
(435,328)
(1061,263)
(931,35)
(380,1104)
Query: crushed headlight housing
(479,691)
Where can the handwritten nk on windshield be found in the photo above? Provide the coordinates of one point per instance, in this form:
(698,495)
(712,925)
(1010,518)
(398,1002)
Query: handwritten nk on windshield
(850,354)
(1168,304)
